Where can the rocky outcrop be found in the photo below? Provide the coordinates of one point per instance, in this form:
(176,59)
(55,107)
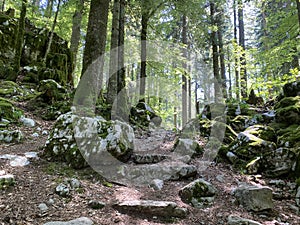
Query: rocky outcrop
(58,65)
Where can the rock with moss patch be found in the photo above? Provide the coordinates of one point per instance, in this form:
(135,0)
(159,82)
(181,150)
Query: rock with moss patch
(199,193)
(288,110)
(79,140)
(142,115)
(6,180)
(8,111)
(11,136)
(247,146)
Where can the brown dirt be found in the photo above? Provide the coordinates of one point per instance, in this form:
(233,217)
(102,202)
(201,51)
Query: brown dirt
(36,182)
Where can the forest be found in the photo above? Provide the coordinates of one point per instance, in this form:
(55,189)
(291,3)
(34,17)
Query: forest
(150,112)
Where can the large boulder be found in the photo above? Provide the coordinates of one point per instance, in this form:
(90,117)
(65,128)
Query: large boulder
(81,140)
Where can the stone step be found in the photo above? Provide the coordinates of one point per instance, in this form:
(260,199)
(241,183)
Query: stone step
(144,174)
(153,208)
(148,158)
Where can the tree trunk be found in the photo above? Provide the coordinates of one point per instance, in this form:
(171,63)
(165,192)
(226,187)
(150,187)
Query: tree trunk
(184,76)
(112,87)
(143,74)
(52,32)
(243,71)
(222,53)
(236,62)
(3,6)
(298,8)
(75,37)
(229,74)
(19,42)
(121,72)
(93,56)
(216,68)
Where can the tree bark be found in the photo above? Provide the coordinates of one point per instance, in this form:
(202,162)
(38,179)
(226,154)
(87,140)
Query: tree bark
(75,37)
(143,74)
(298,8)
(93,56)
(236,63)
(112,87)
(184,101)
(222,58)
(19,41)
(243,71)
(216,67)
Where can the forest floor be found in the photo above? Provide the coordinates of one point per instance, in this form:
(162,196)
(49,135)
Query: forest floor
(36,182)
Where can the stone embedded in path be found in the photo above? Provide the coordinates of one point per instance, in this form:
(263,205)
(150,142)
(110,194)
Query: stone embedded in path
(254,198)
(199,193)
(236,220)
(153,208)
(15,160)
(79,221)
(7,180)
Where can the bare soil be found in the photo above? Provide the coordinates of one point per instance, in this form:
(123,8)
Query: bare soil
(36,184)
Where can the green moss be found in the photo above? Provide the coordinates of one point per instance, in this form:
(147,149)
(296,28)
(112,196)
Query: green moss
(290,135)
(9,111)
(264,132)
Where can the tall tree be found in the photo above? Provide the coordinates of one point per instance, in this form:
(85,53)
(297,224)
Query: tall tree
(75,36)
(243,71)
(214,40)
(112,87)
(298,9)
(148,10)
(93,57)
(184,100)
(220,31)
(19,41)
(236,60)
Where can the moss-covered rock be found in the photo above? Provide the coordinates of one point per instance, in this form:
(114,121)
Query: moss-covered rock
(10,136)
(11,90)
(288,110)
(291,89)
(290,136)
(8,111)
(142,115)
(80,141)
(199,193)
(264,132)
